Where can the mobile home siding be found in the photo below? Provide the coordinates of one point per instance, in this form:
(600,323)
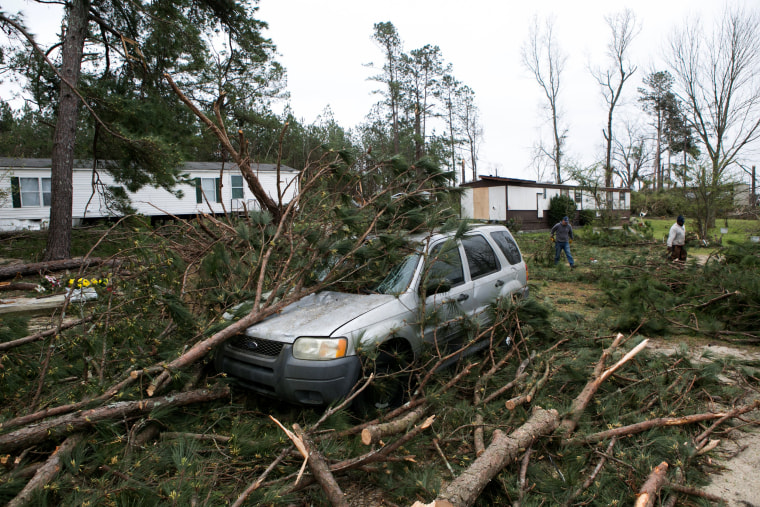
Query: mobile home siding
(89,200)
(501,199)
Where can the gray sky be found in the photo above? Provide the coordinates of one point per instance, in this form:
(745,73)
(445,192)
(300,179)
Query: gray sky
(325,45)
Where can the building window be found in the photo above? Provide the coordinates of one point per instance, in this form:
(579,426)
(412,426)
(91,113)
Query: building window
(578,196)
(622,199)
(609,199)
(565,192)
(236,184)
(30,192)
(208,187)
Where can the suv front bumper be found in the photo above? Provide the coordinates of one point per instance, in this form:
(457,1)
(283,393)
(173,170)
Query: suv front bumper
(285,377)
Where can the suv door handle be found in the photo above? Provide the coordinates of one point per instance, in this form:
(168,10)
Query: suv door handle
(463,297)
(499,283)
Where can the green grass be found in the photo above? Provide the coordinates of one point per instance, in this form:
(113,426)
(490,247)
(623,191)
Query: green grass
(29,246)
(738,230)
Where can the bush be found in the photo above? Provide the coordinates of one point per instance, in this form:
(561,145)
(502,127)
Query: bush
(560,206)
(514,225)
(586,216)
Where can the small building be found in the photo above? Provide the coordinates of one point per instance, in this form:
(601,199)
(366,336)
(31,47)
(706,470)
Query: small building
(527,202)
(208,187)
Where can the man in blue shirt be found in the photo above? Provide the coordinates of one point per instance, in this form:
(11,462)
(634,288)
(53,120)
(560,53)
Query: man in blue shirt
(562,236)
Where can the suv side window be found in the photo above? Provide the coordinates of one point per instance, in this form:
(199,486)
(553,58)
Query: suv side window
(445,266)
(507,245)
(481,258)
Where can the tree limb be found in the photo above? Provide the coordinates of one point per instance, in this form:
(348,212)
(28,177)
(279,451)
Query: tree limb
(465,489)
(648,493)
(46,472)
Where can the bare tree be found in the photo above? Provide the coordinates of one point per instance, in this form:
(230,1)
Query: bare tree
(542,56)
(624,28)
(717,76)
(631,153)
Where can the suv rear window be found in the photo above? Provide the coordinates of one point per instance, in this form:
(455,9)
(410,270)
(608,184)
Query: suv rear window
(480,256)
(507,245)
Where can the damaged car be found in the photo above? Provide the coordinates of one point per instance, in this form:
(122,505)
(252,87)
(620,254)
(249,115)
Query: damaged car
(316,350)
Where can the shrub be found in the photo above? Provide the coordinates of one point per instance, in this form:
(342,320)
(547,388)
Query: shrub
(586,216)
(560,206)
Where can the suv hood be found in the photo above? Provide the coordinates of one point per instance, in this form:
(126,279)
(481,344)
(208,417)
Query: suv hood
(319,314)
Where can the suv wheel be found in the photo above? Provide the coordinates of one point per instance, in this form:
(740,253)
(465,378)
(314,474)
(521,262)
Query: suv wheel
(391,385)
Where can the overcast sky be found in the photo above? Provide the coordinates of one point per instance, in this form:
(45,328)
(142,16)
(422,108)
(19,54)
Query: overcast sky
(325,47)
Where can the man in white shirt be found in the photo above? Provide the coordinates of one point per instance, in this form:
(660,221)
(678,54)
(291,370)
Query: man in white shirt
(676,240)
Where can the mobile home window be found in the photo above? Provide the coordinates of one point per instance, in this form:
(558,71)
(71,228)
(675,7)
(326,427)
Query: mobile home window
(28,192)
(622,199)
(236,184)
(209,187)
(578,195)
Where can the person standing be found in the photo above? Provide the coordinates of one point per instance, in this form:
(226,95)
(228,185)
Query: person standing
(562,236)
(677,240)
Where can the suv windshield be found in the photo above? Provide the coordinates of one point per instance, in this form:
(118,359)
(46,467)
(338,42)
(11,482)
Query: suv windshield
(400,276)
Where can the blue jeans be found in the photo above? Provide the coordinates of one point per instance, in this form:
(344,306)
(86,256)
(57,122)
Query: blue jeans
(560,246)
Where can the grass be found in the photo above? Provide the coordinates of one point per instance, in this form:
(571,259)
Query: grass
(738,230)
(29,246)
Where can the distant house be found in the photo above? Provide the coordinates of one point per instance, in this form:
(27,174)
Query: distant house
(501,199)
(25,187)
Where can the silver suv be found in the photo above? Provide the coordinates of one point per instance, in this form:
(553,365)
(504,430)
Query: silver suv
(310,353)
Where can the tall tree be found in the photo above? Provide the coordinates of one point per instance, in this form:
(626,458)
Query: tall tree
(449,92)
(421,69)
(680,139)
(657,100)
(387,37)
(62,165)
(623,28)
(469,118)
(542,56)
(717,74)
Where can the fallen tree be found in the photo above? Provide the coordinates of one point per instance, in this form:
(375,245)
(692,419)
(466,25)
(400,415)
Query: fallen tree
(35,268)
(70,423)
(466,488)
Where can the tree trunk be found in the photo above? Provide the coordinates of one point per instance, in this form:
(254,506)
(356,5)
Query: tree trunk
(374,433)
(651,487)
(70,423)
(321,471)
(46,472)
(59,236)
(60,265)
(465,489)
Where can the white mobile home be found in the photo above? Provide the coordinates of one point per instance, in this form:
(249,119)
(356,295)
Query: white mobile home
(501,199)
(211,188)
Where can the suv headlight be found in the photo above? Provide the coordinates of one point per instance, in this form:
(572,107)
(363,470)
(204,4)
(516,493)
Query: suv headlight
(319,349)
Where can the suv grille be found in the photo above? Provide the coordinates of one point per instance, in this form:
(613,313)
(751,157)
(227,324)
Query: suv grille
(257,345)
